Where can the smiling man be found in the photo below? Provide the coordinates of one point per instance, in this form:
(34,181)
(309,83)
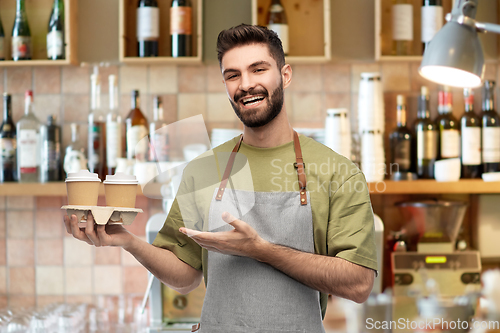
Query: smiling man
(307,233)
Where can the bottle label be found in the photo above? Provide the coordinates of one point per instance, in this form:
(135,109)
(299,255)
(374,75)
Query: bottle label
(94,146)
(450,143)
(426,145)
(21,47)
(160,147)
(8,152)
(491,144)
(180,21)
(113,143)
(51,155)
(28,151)
(54,44)
(282,31)
(432,21)
(148,23)
(2,48)
(402,155)
(74,161)
(471,145)
(402,22)
(137,142)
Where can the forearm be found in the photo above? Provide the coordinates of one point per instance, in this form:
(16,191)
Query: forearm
(329,275)
(165,265)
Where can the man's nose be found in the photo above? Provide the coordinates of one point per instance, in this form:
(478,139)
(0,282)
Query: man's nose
(246,83)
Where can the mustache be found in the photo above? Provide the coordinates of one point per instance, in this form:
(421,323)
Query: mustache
(240,95)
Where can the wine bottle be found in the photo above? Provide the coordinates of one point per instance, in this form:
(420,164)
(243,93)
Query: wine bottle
(491,130)
(159,151)
(75,155)
(50,137)
(113,128)
(55,34)
(426,138)
(181,28)
(136,131)
(28,144)
(96,151)
(2,42)
(402,27)
(400,140)
(7,143)
(449,129)
(148,28)
(431,22)
(470,126)
(21,35)
(277,21)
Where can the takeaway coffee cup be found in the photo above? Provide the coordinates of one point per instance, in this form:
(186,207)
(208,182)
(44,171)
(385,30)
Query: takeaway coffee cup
(120,190)
(82,188)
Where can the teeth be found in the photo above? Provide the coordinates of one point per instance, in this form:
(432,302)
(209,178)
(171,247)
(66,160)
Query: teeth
(251,99)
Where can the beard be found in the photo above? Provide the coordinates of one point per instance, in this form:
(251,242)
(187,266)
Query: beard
(256,117)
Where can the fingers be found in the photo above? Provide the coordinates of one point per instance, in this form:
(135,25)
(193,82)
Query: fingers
(189,232)
(66,224)
(90,231)
(75,230)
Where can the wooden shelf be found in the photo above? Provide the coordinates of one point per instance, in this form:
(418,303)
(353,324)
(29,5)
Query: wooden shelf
(463,186)
(128,39)
(38,13)
(308,25)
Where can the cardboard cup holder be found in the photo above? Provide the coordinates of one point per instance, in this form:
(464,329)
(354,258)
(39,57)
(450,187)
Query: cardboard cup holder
(103,214)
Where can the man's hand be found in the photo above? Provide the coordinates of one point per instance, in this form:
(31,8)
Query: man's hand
(243,240)
(98,235)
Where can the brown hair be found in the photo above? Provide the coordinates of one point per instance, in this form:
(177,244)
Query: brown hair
(245,34)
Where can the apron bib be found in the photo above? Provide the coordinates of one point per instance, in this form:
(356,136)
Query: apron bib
(245,295)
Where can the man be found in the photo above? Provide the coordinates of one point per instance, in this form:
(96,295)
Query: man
(302,232)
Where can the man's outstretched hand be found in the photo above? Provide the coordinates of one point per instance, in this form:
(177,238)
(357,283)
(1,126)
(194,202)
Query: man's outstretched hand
(98,235)
(243,240)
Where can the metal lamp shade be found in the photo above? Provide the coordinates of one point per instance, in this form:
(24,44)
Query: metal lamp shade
(454,57)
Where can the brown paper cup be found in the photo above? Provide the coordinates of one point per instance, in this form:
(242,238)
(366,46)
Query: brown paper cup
(82,193)
(120,195)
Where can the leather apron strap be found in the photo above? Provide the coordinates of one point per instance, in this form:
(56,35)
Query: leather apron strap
(299,165)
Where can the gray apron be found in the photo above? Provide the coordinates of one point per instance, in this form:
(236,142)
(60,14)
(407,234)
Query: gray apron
(245,295)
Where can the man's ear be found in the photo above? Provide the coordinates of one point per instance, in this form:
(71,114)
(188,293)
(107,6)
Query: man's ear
(286,74)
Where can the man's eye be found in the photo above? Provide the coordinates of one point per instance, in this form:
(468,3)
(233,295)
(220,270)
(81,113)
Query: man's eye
(260,70)
(230,77)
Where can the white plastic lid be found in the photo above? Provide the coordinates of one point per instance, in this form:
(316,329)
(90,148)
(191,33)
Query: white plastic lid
(83,175)
(121,178)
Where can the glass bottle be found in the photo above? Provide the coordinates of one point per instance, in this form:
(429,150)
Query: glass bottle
(470,126)
(8,143)
(426,138)
(148,28)
(136,130)
(277,21)
(402,27)
(28,144)
(2,42)
(113,128)
(55,34)
(400,140)
(449,129)
(491,130)
(21,35)
(431,21)
(181,28)
(159,151)
(50,136)
(75,156)
(96,130)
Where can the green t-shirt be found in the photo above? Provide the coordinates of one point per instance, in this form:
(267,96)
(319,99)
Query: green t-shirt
(343,222)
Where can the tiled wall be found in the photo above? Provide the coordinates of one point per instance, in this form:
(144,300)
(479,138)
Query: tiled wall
(40,263)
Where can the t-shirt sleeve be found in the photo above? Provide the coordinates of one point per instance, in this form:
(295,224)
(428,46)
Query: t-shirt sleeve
(170,238)
(351,223)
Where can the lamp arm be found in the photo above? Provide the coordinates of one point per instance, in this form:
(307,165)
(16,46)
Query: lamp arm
(488,27)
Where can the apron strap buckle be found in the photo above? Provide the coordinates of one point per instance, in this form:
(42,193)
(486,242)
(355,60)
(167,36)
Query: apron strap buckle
(195,328)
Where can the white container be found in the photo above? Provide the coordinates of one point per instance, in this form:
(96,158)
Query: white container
(447,170)
(371,114)
(338,131)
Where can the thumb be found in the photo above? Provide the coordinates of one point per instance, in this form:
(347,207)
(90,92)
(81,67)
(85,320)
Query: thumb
(228,218)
